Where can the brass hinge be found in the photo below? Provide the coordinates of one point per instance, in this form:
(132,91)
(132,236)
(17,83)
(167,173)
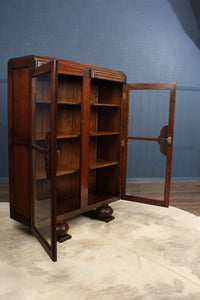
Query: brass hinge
(169,139)
(92,73)
(122,143)
(124,95)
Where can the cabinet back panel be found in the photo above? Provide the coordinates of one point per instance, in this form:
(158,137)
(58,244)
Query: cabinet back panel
(42,120)
(43,88)
(103,184)
(93,120)
(39,165)
(93,150)
(68,120)
(106,92)
(108,148)
(69,154)
(108,180)
(94,92)
(109,120)
(92,181)
(20,102)
(104,148)
(69,89)
(110,93)
(68,193)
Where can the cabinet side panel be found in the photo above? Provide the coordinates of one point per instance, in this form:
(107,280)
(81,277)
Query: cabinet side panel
(21,189)
(21,92)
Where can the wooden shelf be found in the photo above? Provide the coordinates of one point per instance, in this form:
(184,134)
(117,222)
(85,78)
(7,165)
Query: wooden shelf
(77,134)
(69,103)
(61,136)
(104,105)
(43,101)
(58,102)
(101,133)
(42,175)
(66,172)
(97,197)
(68,136)
(102,164)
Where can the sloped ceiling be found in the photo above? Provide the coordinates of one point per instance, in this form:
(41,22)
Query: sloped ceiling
(188,14)
(195,4)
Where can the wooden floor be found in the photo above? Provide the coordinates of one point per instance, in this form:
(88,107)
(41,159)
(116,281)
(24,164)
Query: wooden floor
(184,195)
(4,194)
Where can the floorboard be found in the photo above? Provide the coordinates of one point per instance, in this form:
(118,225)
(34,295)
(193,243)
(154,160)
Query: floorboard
(183,195)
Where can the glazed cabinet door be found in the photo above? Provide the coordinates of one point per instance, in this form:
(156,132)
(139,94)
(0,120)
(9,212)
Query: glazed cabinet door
(44,155)
(148,141)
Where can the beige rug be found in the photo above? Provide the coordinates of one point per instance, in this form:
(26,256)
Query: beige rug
(147,252)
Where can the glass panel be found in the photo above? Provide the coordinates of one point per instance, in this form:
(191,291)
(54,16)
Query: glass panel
(146,167)
(148,112)
(42,203)
(42,127)
(42,106)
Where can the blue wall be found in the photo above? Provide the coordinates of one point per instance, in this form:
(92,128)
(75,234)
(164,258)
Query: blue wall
(147,39)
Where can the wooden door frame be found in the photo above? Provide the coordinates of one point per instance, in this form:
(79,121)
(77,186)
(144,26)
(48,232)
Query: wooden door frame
(149,86)
(52,68)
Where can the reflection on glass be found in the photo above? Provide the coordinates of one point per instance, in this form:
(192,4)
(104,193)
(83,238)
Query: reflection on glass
(42,203)
(148,112)
(42,126)
(42,106)
(146,167)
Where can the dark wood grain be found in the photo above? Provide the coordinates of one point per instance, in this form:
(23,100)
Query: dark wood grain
(85,112)
(85,109)
(19,139)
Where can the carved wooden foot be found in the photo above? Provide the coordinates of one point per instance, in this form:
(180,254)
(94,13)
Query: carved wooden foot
(104,213)
(62,234)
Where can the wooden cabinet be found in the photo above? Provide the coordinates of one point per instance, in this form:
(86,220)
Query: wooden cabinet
(68,137)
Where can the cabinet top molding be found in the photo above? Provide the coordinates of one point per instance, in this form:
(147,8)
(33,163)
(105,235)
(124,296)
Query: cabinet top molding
(64,66)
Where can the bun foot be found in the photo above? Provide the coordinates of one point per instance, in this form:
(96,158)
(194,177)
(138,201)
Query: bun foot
(104,213)
(61,229)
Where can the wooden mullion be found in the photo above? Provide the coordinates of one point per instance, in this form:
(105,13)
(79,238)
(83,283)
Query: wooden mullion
(170,146)
(85,114)
(125,140)
(160,140)
(150,86)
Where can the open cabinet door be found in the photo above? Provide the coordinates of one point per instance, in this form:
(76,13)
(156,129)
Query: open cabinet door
(43,223)
(148,142)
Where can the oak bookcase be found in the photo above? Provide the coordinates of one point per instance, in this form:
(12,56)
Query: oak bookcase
(68,135)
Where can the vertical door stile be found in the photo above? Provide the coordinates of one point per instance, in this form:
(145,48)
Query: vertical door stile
(85,115)
(53,156)
(125,133)
(43,145)
(170,145)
